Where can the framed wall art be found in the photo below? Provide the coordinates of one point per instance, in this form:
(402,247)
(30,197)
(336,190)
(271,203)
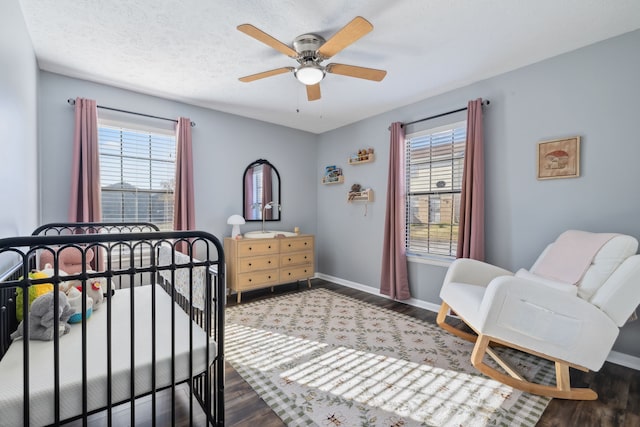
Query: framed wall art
(559,158)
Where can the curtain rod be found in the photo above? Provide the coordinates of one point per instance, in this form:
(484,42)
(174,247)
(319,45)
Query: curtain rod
(72,101)
(486,102)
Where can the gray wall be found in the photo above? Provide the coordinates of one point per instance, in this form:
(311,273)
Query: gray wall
(223,146)
(592,92)
(18,124)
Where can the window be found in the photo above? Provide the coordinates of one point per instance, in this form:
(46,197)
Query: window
(434,163)
(256,186)
(137,174)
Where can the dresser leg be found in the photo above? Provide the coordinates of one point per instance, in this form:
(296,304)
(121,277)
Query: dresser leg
(238,297)
(309,283)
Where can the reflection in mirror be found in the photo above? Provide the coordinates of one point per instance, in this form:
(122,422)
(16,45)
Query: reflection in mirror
(261,192)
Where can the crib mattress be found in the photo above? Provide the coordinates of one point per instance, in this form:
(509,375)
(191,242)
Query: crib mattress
(42,368)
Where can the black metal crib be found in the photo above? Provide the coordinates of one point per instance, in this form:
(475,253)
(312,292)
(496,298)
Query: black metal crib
(160,326)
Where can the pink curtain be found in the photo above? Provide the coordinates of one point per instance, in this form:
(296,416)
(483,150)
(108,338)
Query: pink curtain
(249,206)
(267,191)
(184,207)
(394,280)
(471,229)
(85,203)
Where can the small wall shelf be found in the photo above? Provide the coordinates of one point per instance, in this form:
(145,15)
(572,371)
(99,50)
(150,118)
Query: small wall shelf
(334,180)
(360,196)
(370,157)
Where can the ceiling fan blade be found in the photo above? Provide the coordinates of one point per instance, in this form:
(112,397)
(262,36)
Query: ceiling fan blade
(354,71)
(264,74)
(348,34)
(313,92)
(265,38)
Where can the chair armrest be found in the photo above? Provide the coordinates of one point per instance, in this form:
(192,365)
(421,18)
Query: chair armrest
(552,322)
(620,293)
(471,271)
(535,293)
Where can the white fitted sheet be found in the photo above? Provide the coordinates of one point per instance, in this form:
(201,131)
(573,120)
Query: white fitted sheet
(42,368)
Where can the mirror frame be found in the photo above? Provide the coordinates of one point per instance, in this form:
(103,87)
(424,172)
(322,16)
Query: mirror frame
(244,190)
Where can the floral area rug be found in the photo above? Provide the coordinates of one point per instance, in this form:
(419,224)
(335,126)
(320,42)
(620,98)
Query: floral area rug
(319,358)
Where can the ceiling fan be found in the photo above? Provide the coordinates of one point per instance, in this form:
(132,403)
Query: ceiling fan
(310,50)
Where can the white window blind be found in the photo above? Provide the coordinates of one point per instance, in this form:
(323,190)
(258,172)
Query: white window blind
(137,174)
(434,166)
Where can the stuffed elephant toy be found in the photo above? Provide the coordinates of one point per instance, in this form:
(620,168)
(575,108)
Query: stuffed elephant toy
(41,318)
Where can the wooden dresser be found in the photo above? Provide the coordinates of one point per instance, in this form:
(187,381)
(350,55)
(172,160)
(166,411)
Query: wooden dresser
(261,263)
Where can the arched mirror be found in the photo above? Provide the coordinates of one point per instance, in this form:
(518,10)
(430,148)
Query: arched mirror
(261,192)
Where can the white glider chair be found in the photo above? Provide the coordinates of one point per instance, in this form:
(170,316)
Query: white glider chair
(568,308)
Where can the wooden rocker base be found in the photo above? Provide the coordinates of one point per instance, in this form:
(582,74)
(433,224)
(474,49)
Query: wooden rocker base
(562,389)
(440,320)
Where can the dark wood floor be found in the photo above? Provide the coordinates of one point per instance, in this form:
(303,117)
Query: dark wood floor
(618,387)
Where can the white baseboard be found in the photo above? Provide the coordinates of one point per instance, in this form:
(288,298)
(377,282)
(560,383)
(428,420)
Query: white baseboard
(368,289)
(616,357)
(623,359)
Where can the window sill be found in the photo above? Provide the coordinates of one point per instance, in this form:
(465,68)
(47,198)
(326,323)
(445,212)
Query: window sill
(441,261)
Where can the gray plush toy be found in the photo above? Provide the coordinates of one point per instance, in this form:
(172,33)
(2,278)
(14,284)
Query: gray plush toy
(41,318)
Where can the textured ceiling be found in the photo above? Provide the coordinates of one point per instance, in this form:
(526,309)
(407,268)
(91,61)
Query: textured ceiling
(191,51)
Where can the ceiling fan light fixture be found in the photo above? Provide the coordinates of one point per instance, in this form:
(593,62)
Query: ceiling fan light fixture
(310,50)
(309,74)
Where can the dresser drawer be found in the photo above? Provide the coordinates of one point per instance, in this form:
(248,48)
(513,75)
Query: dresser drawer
(296,258)
(292,244)
(257,279)
(261,247)
(263,262)
(291,274)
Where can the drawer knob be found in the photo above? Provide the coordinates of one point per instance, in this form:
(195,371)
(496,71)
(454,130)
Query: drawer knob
(289,259)
(250,279)
(269,262)
(305,257)
(289,274)
(269,246)
(269,277)
(249,264)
